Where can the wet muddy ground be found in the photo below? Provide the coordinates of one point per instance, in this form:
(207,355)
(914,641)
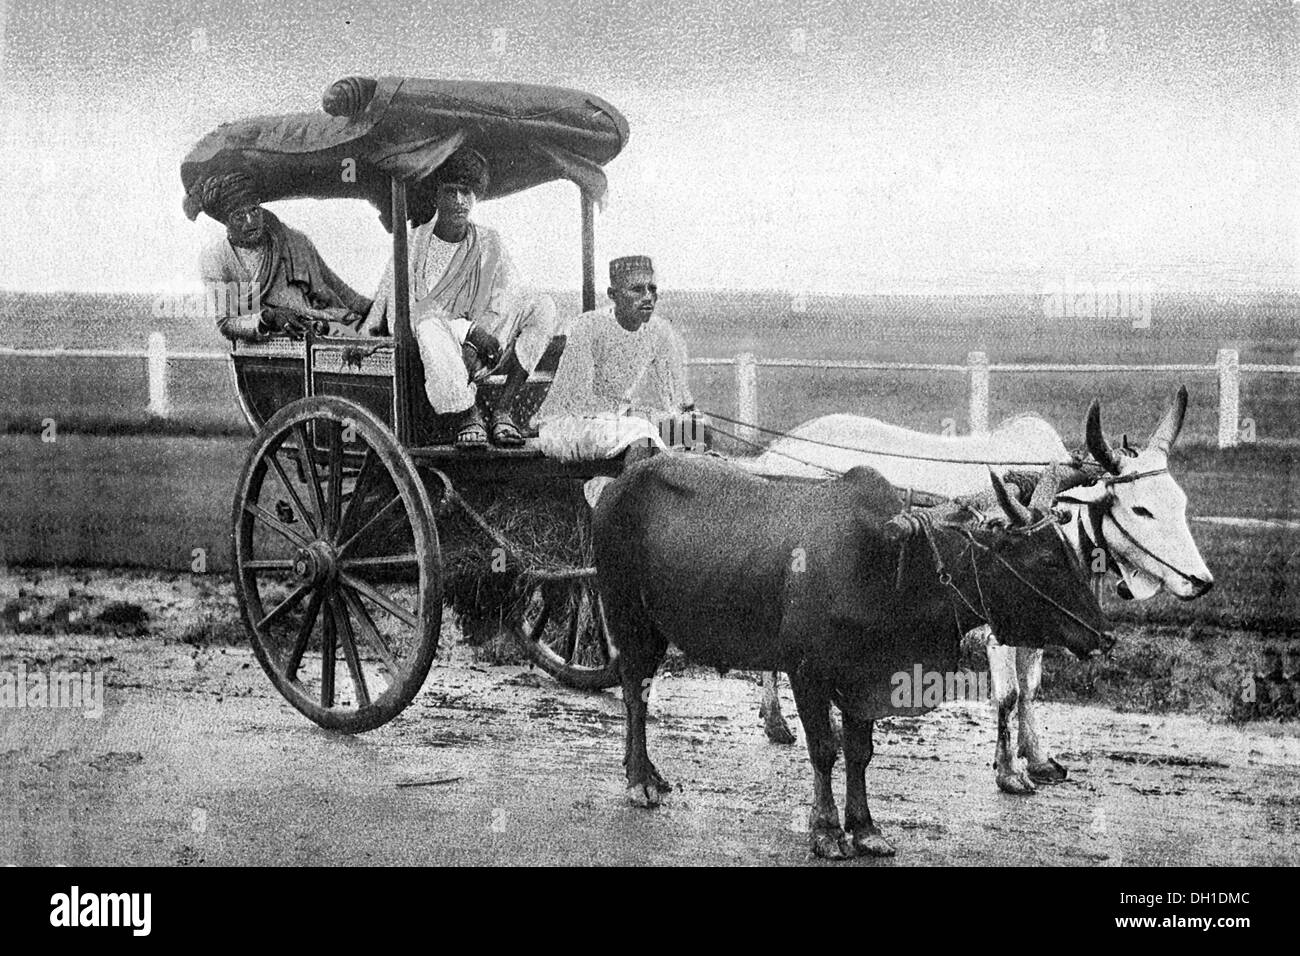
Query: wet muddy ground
(197,760)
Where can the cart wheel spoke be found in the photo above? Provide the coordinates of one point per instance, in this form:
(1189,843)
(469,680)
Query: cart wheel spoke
(360,487)
(382,561)
(538,627)
(308,518)
(576,602)
(370,634)
(380,519)
(344,628)
(304,635)
(378,597)
(305,448)
(287,604)
(335,503)
(276,525)
(328,655)
(269,564)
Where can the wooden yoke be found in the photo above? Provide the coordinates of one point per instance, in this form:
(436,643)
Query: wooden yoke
(408,370)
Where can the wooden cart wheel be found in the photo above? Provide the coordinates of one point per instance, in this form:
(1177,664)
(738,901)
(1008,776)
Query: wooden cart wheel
(562,627)
(337,566)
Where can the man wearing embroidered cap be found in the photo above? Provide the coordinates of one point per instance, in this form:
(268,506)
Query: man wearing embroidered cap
(285,283)
(469,311)
(617,360)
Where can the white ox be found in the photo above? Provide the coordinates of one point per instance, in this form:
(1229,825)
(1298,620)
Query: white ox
(1130,519)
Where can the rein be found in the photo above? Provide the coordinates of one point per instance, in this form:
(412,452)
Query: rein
(776,433)
(925,524)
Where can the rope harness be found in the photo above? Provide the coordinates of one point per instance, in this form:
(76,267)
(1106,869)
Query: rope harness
(924,523)
(1097,510)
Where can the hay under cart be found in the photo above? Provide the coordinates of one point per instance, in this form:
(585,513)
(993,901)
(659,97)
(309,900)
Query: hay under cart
(354,514)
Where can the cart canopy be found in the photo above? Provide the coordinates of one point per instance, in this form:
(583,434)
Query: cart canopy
(372,129)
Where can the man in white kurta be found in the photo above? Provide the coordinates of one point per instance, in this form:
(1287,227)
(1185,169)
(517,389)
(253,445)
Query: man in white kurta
(470,312)
(622,374)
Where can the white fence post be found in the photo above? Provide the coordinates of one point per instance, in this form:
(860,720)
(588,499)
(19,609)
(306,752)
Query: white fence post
(1229,362)
(979,392)
(158,404)
(747,395)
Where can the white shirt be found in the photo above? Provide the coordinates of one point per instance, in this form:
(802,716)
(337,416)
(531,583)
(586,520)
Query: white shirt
(604,368)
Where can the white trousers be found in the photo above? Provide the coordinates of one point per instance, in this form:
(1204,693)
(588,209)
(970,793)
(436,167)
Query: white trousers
(530,328)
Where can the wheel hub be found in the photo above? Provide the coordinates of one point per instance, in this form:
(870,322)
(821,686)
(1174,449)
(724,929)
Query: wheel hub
(316,563)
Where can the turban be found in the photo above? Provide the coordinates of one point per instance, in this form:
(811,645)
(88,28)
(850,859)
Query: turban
(629,265)
(219,196)
(465,167)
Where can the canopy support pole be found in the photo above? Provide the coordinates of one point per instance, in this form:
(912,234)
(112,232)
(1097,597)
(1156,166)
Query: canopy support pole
(588,253)
(407,370)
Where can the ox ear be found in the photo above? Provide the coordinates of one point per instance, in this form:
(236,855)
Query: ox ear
(1016,513)
(1097,441)
(1045,492)
(1166,433)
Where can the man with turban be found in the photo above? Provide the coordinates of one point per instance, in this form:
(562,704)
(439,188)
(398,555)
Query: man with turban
(284,284)
(470,314)
(622,374)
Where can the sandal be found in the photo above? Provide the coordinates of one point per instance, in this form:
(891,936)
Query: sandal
(504,430)
(471,433)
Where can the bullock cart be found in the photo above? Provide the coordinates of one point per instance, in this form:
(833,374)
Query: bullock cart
(340,519)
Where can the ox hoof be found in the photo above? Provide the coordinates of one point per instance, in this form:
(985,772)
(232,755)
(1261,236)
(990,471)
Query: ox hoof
(1015,782)
(645,795)
(1048,771)
(869,841)
(777,730)
(831,844)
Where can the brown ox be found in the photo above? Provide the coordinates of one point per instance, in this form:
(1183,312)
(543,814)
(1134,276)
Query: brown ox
(740,572)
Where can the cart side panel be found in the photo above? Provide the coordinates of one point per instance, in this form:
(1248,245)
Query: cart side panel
(358,370)
(270,375)
(267,383)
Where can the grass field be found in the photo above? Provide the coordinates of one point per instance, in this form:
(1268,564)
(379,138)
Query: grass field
(157,501)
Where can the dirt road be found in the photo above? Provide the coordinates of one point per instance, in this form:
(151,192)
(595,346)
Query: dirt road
(197,761)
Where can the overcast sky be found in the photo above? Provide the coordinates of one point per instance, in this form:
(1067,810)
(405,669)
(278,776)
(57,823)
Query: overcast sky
(811,146)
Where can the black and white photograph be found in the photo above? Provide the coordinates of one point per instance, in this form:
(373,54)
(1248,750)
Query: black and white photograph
(676,433)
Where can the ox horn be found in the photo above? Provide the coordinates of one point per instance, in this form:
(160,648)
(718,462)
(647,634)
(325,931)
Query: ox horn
(1166,433)
(1097,441)
(1015,511)
(1045,492)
